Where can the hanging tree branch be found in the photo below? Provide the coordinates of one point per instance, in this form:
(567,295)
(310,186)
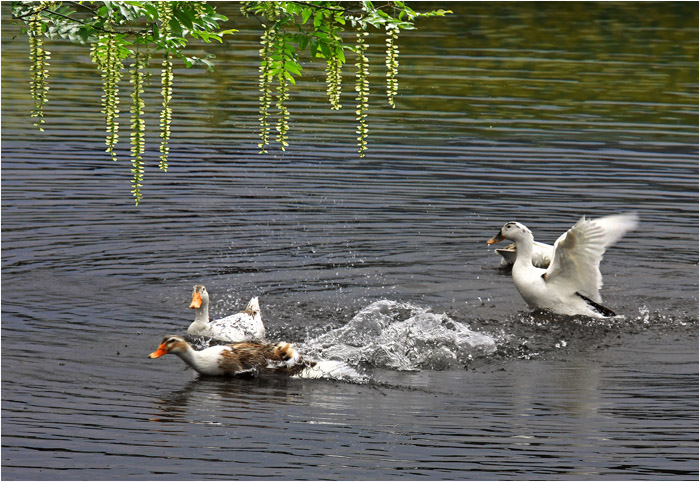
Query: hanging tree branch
(118,31)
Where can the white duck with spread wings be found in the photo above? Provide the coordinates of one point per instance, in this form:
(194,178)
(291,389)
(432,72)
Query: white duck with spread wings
(571,284)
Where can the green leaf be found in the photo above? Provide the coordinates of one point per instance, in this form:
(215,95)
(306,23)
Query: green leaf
(325,49)
(151,9)
(305,15)
(340,54)
(84,34)
(184,18)
(216,16)
(203,35)
(176,29)
(303,42)
(289,77)
(292,67)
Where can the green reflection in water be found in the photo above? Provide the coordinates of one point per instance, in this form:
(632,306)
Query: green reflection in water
(579,71)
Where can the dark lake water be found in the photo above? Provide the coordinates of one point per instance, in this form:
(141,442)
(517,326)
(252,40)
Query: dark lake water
(507,111)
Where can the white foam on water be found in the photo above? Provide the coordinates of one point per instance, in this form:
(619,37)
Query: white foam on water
(401,336)
(332,370)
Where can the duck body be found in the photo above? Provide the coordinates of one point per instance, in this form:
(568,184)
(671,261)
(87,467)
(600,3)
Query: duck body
(251,359)
(244,326)
(234,359)
(571,284)
(530,282)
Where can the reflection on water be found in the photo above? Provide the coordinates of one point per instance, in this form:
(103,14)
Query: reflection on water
(506,112)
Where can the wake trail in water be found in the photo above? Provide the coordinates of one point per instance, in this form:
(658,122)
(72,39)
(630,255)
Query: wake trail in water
(403,336)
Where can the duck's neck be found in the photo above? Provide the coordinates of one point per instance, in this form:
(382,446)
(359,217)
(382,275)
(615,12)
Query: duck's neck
(203,361)
(524,248)
(191,357)
(201,319)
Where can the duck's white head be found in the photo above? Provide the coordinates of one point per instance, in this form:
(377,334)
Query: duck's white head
(200,297)
(171,344)
(513,231)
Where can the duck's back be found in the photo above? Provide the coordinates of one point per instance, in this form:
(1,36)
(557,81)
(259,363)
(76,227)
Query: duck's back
(239,327)
(258,357)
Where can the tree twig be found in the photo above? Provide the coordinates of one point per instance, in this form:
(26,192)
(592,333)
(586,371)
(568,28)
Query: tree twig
(321,7)
(80,21)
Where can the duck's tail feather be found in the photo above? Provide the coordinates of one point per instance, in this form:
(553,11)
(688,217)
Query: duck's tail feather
(285,351)
(597,307)
(253,306)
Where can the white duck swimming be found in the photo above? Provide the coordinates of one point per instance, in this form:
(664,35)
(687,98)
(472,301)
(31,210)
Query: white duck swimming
(251,358)
(571,283)
(244,326)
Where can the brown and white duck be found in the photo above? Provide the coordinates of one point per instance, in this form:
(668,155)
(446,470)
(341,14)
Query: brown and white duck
(252,359)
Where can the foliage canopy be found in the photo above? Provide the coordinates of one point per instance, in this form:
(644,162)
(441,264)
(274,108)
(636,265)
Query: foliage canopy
(137,32)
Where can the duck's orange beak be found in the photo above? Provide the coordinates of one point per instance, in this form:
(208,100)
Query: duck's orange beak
(196,300)
(159,352)
(497,238)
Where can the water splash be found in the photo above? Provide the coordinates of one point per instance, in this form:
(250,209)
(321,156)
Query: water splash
(401,336)
(333,370)
(644,314)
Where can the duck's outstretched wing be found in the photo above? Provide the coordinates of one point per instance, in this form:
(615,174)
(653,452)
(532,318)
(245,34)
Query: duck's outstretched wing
(578,252)
(614,227)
